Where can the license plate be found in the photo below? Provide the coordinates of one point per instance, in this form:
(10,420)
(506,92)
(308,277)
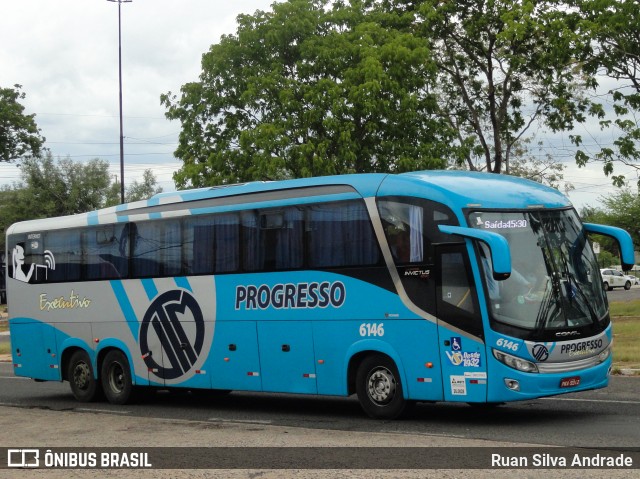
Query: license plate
(570,382)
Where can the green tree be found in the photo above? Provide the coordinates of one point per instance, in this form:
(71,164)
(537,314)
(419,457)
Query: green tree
(136,191)
(57,188)
(611,30)
(312,87)
(621,209)
(50,187)
(503,66)
(19,134)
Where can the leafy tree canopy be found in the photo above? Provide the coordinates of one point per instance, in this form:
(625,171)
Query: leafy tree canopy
(310,88)
(611,32)
(503,66)
(317,87)
(62,187)
(19,134)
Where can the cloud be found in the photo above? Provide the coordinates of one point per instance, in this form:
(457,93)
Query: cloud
(65,54)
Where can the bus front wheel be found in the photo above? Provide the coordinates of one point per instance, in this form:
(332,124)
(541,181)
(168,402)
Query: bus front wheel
(83,383)
(116,378)
(379,388)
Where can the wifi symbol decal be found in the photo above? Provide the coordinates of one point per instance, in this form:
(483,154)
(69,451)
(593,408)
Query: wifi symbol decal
(49,259)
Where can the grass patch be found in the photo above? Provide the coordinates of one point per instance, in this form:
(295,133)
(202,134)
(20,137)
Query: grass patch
(626,335)
(626,308)
(5,348)
(4,326)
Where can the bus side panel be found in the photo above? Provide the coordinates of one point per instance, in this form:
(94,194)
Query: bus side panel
(413,344)
(114,334)
(286,356)
(417,342)
(234,360)
(34,350)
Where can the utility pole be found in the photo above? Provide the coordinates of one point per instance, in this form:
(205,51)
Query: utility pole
(119,2)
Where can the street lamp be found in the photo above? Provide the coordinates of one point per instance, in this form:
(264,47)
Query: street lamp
(120,98)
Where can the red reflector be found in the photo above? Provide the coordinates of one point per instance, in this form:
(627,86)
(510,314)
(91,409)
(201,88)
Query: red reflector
(473,381)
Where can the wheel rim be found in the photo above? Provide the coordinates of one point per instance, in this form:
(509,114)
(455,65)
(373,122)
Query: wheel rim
(381,386)
(116,377)
(82,376)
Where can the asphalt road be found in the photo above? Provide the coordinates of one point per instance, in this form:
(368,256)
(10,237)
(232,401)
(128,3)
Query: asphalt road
(619,294)
(608,417)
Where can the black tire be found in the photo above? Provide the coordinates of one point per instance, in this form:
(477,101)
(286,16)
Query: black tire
(627,285)
(606,287)
(379,388)
(116,378)
(84,386)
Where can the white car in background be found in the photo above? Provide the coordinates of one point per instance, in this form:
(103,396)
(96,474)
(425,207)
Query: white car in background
(633,279)
(612,278)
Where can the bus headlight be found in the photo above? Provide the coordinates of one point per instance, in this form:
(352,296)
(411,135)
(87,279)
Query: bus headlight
(604,355)
(514,362)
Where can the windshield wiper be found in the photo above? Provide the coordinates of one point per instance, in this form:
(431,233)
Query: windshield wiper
(574,286)
(548,301)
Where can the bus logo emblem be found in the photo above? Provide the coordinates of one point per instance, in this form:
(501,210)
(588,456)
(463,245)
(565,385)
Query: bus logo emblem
(540,352)
(180,350)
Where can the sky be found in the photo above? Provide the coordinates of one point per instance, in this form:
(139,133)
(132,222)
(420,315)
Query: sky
(64,53)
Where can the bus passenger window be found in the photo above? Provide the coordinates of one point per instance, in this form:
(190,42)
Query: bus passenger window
(105,256)
(212,244)
(273,240)
(340,234)
(157,248)
(65,247)
(411,227)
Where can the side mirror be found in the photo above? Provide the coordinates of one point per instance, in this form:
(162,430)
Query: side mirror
(621,236)
(498,245)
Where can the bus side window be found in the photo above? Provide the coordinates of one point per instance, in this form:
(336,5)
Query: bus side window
(340,234)
(65,247)
(103,255)
(273,239)
(157,247)
(212,244)
(411,227)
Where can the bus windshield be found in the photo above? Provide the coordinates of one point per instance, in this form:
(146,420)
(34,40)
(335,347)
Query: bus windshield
(555,288)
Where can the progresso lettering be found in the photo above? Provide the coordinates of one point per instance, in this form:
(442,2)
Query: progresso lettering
(291,296)
(582,348)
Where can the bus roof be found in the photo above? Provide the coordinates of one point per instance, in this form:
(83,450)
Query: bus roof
(456,189)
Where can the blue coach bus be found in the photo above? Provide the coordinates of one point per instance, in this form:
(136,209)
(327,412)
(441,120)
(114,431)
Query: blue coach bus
(426,286)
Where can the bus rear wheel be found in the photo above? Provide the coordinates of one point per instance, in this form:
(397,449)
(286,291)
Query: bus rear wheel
(84,386)
(379,388)
(116,378)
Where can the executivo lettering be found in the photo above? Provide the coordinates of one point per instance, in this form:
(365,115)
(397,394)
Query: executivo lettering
(72,302)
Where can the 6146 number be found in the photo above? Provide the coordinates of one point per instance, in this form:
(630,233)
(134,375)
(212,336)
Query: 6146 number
(372,329)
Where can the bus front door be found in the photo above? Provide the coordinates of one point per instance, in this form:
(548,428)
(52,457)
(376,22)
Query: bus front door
(462,352)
